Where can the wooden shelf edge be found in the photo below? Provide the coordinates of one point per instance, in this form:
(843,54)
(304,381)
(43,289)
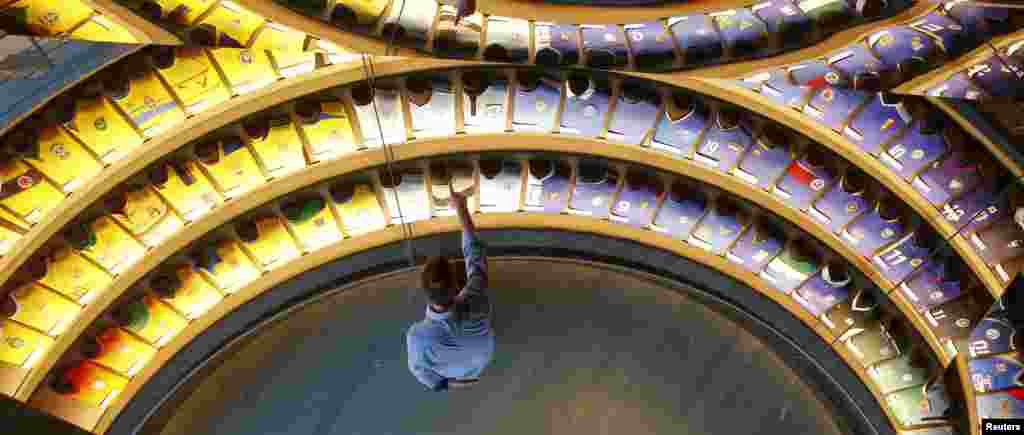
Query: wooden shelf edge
(921,84)
(435,226)
(143,30)
(970,401)
(977,134)
(587,14)
(18,119)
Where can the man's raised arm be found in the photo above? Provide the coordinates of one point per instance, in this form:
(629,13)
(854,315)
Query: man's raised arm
(472,249)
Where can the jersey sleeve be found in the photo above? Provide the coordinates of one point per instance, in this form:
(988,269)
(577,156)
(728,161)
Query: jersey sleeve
(475,252)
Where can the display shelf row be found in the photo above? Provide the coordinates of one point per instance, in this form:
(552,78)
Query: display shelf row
(577,191)
(993,71)
(295,141)
(657,43)
(90,20)
(895,57)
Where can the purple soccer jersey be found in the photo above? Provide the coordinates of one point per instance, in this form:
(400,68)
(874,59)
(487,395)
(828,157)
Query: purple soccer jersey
(854,60)
(873,230)
(953,320)
(743,32)
(556,44)
(803,182)
(765,162)
(897,374)
(638,199)
(634,115)
(930,287)
(781,89)
(547,186)
(977,208)
(902,258)
(680,128)
(913,151)
(999,77)
(896,45)
(832,106)
(948,178)
(723,144)
(719,228)
(756,247)
(997,373)
(1004,404)
(958,86)
(535,108)
(993,335)
(603,46)
(840,205)
(794,265)
(857,311)
(697,38)
(877,123)
(680,212)
(584,112)
(784,19)
(980,22)
(823,291)
(1001,241)
(947,33)
(651,44)
(595,187)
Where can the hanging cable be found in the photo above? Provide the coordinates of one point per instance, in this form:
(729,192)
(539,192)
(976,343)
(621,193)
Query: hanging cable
(389,158)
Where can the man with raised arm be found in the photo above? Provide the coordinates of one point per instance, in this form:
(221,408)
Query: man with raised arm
(450,347)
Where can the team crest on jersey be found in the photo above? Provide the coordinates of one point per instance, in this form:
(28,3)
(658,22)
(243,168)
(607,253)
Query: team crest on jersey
(245,57)
(956,184)
(100,123)
(541,105)
(916,44)
(828,94)
(962,322)
(917,154)
(590,111)
(26,181)
(597,201)
(915,262)
(60,151)
(935,295)
(887,233)
(817,184)
(992,334)
(851,207)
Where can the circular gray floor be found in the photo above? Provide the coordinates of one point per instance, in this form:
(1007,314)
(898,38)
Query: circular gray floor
(581,349)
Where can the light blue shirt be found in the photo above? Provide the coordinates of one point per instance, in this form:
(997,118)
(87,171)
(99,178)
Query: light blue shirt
(443,346)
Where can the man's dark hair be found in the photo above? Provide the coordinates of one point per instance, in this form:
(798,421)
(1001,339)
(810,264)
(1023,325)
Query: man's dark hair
(436,280)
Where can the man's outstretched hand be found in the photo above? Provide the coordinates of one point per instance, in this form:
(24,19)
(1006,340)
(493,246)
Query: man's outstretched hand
(459,198)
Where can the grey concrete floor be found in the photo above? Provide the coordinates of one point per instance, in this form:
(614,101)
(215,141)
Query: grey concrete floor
(581,349)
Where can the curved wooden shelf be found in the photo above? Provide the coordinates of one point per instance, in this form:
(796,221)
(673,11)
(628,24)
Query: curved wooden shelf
(42,103)
(832,43)
(144,31)
(317,28)
(565,13)
(351,163)
(434,226)
(921,84)
(741,97)
(970,402)
(194,128)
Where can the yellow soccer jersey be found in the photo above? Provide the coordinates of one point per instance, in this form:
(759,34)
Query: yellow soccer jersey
(43,309)
(190,9)
(149,106)
(367,11)
(195,296)
(292,63)
(331,135)
(235,170)
(147,216)
(233,268)
(25,193)
(7,239)
(153,320)
(114,249)
(123,352)
(234,21)
(101,28)
(194,80)
(21,345)
(191,196)
(275,246)
(72,275)
(94,385)
(281,149)
(278,37)
(101,128)
(246,70)
(63,159)
(318,230)
(362,212)
(51,18)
